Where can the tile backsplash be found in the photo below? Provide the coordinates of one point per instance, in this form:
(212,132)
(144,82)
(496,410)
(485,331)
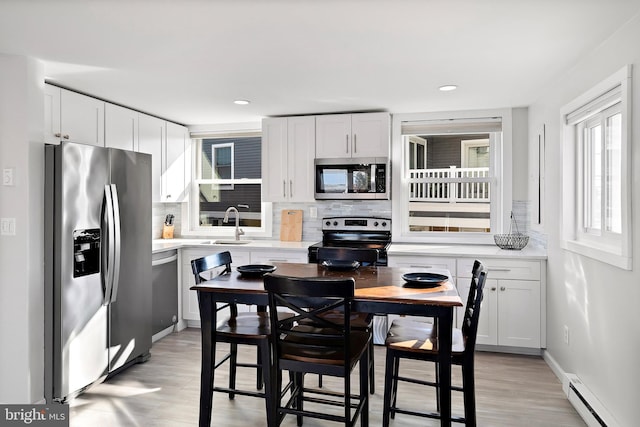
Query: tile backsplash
(312,227)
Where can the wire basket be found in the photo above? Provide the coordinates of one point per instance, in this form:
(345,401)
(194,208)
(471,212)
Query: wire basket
(511,241)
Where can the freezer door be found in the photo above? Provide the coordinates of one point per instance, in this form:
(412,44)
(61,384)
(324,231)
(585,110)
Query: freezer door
(78,317)
(130,308)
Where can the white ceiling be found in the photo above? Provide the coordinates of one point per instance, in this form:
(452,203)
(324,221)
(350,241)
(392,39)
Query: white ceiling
(188,60)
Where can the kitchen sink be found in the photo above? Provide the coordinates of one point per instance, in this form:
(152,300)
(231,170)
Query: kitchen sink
(226,242)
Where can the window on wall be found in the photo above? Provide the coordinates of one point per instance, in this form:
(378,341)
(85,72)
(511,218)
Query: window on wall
(449,183)
(227,173)
(596,182)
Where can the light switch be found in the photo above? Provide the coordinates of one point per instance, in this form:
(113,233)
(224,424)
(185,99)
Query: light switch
(8,226)
(7,176)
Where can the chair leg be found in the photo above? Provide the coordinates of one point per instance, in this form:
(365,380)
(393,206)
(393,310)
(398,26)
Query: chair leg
(437,386)
(299,378)
(365,368)
(469,394)
(372,366)
(270,395)
(233,361)
(389,380)
(394,395)
(259,371)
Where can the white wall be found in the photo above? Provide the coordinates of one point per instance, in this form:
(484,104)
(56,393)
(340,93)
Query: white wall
(21,256)
(598,302)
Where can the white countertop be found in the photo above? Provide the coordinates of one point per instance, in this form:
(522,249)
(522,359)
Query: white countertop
(159,245)
(420,249)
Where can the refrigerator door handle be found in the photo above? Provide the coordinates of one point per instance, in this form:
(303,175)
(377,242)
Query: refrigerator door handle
(116,243)
(108,245)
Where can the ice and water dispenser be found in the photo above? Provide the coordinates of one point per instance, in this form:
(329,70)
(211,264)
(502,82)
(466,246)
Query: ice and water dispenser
(86,252)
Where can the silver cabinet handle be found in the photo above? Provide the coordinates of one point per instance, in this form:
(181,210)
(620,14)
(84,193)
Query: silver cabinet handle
(499,269)
(284,188)
(57,135)
(421,266)
(502,288)
(493,288)
(65,136)
(355,147)
(347,143)
(290,188)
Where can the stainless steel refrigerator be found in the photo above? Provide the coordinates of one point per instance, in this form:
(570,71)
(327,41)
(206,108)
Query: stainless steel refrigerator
(97,265)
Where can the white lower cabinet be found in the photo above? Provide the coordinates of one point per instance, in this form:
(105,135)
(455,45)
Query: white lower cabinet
(190,310)
(512,307)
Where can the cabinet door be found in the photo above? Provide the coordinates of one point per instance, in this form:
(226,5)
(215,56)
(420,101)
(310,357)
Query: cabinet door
(151,132)
(81,118)
(274,159)
(371,135)
(174,166)
(488,322)
(519,313)
(52,133)
(190,309)
(301,145)
(120,127)
(333,136)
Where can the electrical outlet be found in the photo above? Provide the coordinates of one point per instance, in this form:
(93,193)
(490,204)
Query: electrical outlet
(7,176)
(8,226)
(313,212)
(566,334)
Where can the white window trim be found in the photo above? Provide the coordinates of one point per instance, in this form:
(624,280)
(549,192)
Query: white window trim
(230,184)
(620,255)
(470,143)
(190,210)
(501,199)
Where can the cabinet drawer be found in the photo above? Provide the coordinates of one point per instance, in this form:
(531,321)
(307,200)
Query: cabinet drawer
(502,268)
(423,262)
(278,256)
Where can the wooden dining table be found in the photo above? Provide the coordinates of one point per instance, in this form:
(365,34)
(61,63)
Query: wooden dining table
(379,290)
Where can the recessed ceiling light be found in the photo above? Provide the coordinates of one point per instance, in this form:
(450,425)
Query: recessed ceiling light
(447,88)
(241,102)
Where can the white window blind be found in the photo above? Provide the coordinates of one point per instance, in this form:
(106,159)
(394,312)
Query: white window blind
(595,106)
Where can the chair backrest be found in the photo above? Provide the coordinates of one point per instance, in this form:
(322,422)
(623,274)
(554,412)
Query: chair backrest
(472,309)
(366,256)
(209,263)
(307,331)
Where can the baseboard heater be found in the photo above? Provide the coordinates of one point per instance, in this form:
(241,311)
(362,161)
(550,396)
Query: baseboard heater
(586,403)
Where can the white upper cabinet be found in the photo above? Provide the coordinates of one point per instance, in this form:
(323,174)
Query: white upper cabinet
(151,137)
(52,133)
(120,127)
(70,116)
(81,118)
(174,175)
(353,135)
(288,147)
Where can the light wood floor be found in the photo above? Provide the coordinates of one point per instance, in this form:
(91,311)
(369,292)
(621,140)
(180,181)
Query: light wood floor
(511,391)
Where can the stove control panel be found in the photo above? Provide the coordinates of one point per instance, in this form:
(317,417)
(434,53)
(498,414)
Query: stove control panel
(356,224)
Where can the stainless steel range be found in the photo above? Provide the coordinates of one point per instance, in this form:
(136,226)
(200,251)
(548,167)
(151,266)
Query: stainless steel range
(354,232)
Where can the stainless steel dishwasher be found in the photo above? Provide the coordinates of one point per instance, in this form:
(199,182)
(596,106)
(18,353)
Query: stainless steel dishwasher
(165,290)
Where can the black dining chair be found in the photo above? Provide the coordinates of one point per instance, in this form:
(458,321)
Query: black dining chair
(245,328)
(419,341)
(309,342)
(364,321)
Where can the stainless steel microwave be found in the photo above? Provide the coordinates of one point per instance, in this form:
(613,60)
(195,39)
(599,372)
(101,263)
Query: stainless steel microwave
(358,178)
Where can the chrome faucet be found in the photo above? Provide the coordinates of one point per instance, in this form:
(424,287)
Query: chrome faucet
(239,231)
